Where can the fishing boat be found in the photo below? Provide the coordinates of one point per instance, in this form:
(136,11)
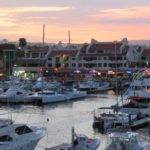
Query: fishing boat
(78,142)
(104,120)
(17,136)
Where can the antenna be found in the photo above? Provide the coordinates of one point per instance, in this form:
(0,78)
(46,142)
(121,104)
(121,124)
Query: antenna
(43,34)
(69,39)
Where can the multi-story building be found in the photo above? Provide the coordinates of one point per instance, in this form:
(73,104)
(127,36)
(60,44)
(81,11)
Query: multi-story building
(138,56)
(145,57)
(95,55)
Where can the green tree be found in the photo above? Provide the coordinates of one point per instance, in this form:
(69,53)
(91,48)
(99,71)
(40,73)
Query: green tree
(6,46)
(22,42)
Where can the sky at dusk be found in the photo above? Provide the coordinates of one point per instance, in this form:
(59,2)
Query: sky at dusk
(103,20)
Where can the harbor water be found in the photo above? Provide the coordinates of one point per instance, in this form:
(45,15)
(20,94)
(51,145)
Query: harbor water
(59,118)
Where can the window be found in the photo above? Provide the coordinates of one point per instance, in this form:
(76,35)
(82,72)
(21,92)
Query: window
(57,59)
(80,65)
(105,58)
(66,65)
(57,65)
(119,58)
(99,65)
(100,51)
(35,55)
(91,51)
(49,58)
(49,65)
(73,58)
(5,138)
(105,64)
(19,93)
(143,58)
(90,58)
(83,51)
(23,130)
(66,58)
(110,65)
(73,65)
(112,58)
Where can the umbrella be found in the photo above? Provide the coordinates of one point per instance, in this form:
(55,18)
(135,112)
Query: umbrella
(93,71)
(77,71)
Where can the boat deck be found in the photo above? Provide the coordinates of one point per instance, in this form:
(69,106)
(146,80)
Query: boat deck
(58,147)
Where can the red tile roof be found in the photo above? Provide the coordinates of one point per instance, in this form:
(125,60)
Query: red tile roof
(105,46)
(103,54)
(71,53)
(146,53)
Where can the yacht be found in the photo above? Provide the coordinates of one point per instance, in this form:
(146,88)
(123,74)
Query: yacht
(16,94)
(73,93)
(140,85)
(79,142)
(16,136)
(47,96)
(42,84)
(138,95)
(126,140)
(94,86)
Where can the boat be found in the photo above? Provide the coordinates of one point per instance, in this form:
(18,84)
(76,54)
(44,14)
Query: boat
(42,84)
(16,94)
(17,136)
(126,140)
(47,96)
(92,86)
(137,97)
(104,120)
(78,142)
(140,85)
(73,93)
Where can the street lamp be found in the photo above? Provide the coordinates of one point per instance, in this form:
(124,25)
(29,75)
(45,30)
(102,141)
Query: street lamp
(115,44)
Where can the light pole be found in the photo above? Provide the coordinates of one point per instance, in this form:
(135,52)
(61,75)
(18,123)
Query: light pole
(115,44)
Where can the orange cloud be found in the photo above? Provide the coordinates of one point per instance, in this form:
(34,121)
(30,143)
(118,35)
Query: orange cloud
(124,13)
(104,25)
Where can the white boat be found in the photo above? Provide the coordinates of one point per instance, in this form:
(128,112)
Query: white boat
(138,94)
(15,136)
(126,141)
(15,94)
(42,84)
(140,85)
(73,93)
(105,121)
(79,142)
(47,96)
(94,86)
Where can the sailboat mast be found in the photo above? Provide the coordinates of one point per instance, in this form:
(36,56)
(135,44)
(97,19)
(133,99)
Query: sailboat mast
(43,35)
(43,49)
